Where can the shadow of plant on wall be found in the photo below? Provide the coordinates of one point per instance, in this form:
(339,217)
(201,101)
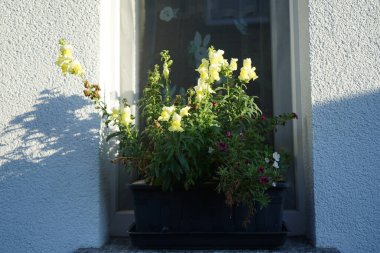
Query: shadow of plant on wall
(51,183)
(48,136)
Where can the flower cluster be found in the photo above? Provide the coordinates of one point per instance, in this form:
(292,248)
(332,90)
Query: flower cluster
(121,116)
(247,72)
(66,61)
(215,132)
(168,112)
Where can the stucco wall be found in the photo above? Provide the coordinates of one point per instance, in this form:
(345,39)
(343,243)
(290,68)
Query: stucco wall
(345,91)
(50,198)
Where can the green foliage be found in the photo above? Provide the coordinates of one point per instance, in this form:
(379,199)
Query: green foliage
(213,132)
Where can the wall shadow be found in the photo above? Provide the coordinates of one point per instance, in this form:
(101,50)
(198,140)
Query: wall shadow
(51,183)
(45,135)
(346,158)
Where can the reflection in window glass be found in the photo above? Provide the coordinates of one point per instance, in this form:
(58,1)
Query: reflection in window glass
(188,27)
(241,28)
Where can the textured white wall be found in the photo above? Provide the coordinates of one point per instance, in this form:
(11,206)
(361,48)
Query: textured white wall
(345,91)
(50,190)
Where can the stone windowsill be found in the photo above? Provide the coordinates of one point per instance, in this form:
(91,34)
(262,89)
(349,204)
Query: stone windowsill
(123,245)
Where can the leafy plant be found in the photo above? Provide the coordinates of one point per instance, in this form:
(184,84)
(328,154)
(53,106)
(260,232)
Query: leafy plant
(216,132)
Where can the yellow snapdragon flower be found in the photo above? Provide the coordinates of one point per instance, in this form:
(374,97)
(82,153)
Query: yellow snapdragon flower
(233,64)
(66,50)
(214,73)
(63,63)
(203,69)
(176,124)
(66,62)
(75,68)
(184,111)
(126,116)
(247,72)
(166,113)
(216,57)
(114,113)
(247,63)
(202,89)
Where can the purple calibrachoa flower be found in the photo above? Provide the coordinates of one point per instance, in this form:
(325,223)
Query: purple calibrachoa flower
(228,134)
(222,146)
(261,170)
(294,115)
(264,180)
(263,117)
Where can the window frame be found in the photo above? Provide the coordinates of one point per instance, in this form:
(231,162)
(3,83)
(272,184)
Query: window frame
(119,23)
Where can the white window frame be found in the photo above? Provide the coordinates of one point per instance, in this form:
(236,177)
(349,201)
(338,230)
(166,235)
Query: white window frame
(119,73)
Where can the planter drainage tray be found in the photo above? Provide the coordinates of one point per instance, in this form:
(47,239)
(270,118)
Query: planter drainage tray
(207,240)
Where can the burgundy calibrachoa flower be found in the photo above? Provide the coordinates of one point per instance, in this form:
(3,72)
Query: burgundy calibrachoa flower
(261,170)
(222,146)
(263,117)
(264,180)
(229,134)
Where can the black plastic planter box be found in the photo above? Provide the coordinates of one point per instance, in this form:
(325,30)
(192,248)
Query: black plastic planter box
(198,209)
(201,210)
(207,240)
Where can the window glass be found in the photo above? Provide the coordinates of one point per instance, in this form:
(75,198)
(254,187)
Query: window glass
(242,28)
(188,27)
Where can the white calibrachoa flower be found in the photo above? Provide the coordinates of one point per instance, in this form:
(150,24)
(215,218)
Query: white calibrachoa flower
(247,72)
(266,160)
(276,156)
(176,124)
(184,111)
(275,164)
(166,113)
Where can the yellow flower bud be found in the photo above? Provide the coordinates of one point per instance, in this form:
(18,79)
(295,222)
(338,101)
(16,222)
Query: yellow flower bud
(165,71)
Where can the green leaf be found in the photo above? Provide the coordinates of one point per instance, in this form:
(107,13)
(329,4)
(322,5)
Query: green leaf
(110,136)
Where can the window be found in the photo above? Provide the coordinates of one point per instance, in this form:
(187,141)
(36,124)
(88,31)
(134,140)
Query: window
(259,29)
